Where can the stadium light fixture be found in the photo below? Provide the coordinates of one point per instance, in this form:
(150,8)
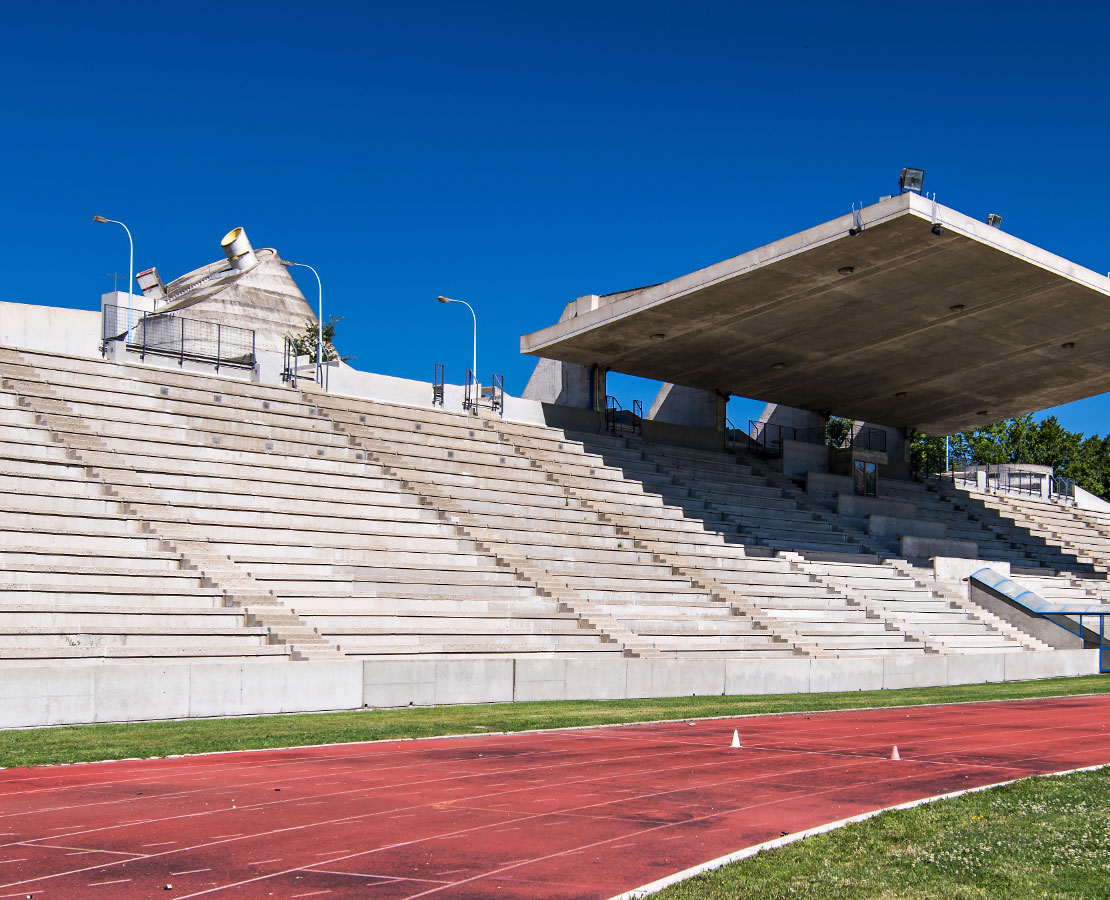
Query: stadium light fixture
(288,263)
(994,221)
(911,180)
(474,362)
(130,268)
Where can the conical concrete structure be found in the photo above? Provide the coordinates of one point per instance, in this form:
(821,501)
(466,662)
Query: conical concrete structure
(252,290)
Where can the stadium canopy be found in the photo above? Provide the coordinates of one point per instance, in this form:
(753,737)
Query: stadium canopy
(921,318)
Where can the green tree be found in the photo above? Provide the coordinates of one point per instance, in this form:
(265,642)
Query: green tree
(305,343)
(1022,440)
(837,430)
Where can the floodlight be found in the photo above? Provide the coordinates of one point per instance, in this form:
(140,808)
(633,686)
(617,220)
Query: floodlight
(911,180)
(994,221)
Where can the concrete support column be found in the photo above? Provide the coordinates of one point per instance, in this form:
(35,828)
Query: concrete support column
(693,407)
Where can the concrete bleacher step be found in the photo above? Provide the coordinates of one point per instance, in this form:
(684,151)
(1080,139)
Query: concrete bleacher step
(427,526)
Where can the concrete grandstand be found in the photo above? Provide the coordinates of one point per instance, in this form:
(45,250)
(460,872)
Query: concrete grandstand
(199,523)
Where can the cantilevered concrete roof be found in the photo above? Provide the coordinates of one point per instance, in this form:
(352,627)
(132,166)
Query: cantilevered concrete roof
(895,325)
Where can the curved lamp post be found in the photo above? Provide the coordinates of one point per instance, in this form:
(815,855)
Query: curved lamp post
(477,387)
(319,317)
(130,265)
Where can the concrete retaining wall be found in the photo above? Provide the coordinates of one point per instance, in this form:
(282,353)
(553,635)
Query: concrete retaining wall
(74,694)
(892,526)
(800,458)
(51,329)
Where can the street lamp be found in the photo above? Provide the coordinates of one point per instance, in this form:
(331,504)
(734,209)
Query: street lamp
(319,318)
(477,388)
(131,265)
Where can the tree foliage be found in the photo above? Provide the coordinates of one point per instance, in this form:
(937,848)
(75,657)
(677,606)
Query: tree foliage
(837,430)
(305,343)
(1021,440)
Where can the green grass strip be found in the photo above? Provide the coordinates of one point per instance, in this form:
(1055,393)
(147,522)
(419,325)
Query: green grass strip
(1037,838)
(84,743)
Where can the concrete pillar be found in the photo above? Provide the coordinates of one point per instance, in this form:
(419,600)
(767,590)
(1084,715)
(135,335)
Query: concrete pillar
(569,384)
(789,417)
(693,407)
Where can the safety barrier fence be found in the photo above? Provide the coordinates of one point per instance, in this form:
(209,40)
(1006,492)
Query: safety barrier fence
(177,337)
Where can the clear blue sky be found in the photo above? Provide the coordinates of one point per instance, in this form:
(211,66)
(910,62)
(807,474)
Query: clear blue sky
(518,155)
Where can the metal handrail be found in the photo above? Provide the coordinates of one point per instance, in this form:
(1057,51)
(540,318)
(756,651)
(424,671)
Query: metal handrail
(469,400)
(437,385)
(497,394)
(614,418)
(1063,487)
(289,363)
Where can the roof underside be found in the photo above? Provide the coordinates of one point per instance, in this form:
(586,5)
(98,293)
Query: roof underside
(885,342)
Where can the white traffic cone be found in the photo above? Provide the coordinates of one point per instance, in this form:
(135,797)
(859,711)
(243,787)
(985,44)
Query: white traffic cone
(735,739)
(894,754)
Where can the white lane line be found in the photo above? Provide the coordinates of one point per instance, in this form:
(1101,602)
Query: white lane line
(311,894)
(262,862)
(190,872)
(161,844)
(4,862)
(747,852)
(102,883)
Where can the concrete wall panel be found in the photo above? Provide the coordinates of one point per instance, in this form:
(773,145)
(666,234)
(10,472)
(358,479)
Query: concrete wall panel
(914,672)
(848,674)
(767,676)
(976,669)
(128,692)
(474,681)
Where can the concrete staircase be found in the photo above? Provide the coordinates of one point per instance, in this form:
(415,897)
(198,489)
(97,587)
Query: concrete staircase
(160,513)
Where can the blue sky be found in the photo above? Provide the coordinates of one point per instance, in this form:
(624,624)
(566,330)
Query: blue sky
(518,155)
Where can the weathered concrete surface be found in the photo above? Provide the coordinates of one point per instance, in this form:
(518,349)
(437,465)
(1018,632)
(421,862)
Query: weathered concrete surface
(693,407)
(896,325)
(927,547)
(894,526)
(853,505)
(801,458)
(81,693)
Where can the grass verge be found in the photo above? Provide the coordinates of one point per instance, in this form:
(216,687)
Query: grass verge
(1038,838)
(84,743)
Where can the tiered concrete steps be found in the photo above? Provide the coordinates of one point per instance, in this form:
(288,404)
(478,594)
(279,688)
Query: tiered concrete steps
(268,484)
(817,616)
(80,580)
(1079,536)
(466,472)
(878,607)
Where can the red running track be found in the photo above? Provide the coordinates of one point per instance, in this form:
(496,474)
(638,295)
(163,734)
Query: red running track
(580,813)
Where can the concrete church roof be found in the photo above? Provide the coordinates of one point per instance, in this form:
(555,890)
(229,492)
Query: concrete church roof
(896,325)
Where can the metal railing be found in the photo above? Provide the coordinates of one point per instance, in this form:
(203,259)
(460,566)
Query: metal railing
(497,394)
(766,437)
(1063,487)
(437,385)
(469,400)
(289,363)
(614,416)
(617,418)
(868,439)
(999,478)
(176,337)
